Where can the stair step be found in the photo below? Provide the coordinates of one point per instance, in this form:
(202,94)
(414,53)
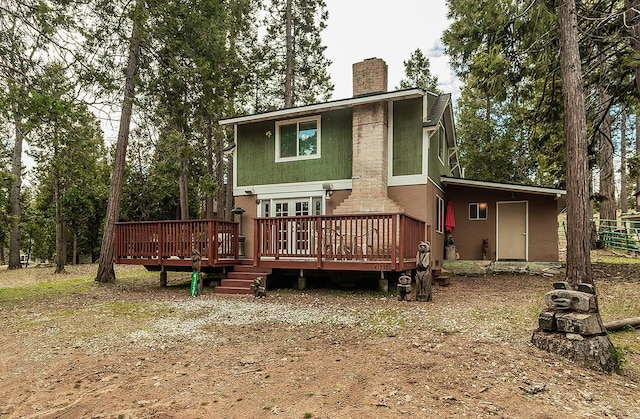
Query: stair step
(443,281)
(232,290)
(247,268)
(245,275)
(237,283)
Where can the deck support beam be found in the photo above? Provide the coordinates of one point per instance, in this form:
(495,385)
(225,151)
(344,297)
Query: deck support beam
(163,277)
(302,281)
(383,283)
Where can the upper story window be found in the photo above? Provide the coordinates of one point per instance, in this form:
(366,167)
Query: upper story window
(442,144)
(298,139)
(477,210)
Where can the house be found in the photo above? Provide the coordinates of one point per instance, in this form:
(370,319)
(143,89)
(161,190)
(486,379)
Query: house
(384,152)
(354,185)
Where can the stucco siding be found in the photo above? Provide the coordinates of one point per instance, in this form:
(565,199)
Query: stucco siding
(542,223)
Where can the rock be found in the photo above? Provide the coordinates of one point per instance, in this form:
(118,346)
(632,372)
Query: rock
(547,320)
(581,323)
(533,388)
(560,299)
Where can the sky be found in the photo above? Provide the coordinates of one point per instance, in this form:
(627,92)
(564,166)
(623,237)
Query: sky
(360,29)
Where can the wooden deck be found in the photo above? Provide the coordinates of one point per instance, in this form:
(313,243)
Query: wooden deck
(359,242)
(171,243)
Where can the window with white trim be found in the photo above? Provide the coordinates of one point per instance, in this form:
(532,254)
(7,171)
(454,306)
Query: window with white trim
(439,215)
(477,210)
(442,144)
(298,139)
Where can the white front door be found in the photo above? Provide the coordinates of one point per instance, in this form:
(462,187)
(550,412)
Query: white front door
(511,235)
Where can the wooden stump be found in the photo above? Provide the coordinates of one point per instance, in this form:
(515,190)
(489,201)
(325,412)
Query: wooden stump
(592,352)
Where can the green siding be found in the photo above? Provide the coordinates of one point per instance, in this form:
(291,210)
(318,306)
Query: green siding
(407,137)
(256,153)
(436,167)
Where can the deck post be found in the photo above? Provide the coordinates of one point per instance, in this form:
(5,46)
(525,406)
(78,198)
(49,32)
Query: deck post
(163,276)
(302,281)
(383,283)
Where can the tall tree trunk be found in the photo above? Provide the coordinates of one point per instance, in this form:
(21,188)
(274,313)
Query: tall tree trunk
(61,237)
(74,247)
(607,180)
(637,155)
(106,272)
(632,12)
(624,204)
(209,213)
(288,74)
(14,196)
(575,129)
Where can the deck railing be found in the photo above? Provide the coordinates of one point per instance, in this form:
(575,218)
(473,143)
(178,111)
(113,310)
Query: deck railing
(391,238)
(154,242)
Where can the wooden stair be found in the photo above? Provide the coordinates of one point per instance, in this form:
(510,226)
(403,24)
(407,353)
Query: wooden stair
(438,279)
(240,280)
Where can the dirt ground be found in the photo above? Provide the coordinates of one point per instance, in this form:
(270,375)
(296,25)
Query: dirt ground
(72,349)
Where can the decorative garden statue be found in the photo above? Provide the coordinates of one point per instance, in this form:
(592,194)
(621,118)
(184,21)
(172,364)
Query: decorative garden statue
(423,272)
(259,287)
(196,281)
(404,287)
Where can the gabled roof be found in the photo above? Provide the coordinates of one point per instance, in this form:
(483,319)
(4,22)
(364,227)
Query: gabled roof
(437,110)
(441,111)
(325,106)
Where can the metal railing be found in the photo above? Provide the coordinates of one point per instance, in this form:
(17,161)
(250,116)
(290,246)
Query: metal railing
(614,234)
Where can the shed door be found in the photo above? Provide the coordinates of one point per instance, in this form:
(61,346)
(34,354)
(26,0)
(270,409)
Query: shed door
(512,230)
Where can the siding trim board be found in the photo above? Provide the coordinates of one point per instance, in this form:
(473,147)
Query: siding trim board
(293,189)
(324,107)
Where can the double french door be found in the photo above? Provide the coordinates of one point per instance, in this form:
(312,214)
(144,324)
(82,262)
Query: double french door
(295,233)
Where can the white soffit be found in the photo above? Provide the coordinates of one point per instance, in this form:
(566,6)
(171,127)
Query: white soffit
(324,107)
(503,186)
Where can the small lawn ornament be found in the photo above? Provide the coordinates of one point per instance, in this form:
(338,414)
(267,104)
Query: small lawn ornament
(485,249)
(423,272)
(404,288)
(259,287)
(196,283)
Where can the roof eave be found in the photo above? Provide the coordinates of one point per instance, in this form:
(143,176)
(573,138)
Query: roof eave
(540,190)
(324,107)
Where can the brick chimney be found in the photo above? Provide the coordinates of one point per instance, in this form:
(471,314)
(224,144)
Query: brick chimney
(370,140)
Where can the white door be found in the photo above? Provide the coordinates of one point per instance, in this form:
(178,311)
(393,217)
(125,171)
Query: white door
(511,235)
(295,237)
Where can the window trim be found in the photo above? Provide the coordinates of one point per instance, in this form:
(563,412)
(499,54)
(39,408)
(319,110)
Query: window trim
(297,121)
(477,211)
(442,144)
(439,215)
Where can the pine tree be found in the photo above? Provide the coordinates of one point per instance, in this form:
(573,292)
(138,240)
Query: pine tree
(417,71)
(306,73)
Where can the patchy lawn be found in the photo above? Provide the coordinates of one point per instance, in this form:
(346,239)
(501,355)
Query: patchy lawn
(72,348)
